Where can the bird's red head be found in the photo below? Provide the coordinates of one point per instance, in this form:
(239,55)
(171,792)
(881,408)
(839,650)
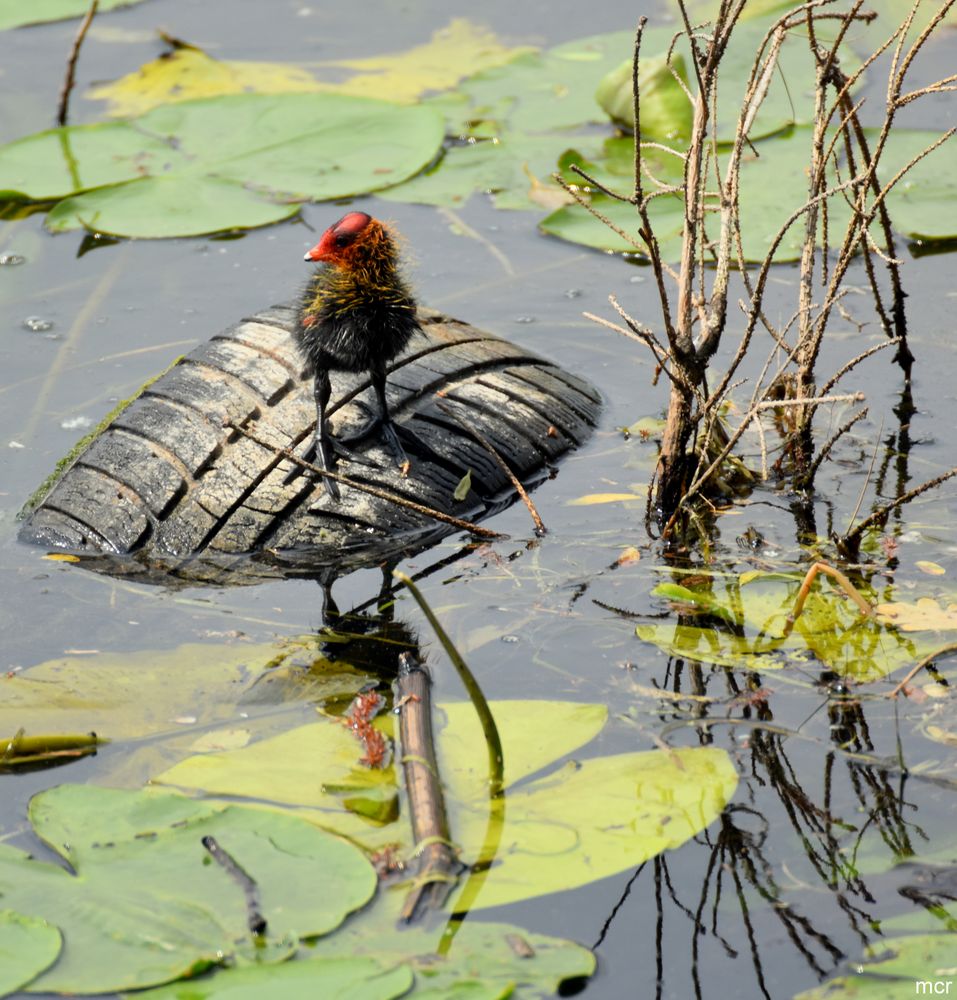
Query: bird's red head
(339,238)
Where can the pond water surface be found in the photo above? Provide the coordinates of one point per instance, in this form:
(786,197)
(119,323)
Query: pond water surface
(808,847)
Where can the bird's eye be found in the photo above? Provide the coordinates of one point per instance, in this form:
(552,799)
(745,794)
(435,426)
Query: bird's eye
(343,239)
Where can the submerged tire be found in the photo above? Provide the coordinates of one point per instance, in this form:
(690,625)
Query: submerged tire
(171,487)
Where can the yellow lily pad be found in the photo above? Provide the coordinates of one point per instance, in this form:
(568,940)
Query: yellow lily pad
(187,72)
(458,50)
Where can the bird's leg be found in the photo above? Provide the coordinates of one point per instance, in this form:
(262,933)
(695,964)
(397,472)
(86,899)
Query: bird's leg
(398,437)
(322,448)
(388,427)
(382,423)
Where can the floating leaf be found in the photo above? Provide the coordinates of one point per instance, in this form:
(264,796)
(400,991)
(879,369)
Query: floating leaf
(482,961)
(592,499)
(361,978)
(460,49)
(28,946)
(895,968)
(930,568)
(925,615)
(939,735)
(229,162)
(596,817)
(517,119)
(188,73)
(16,13)
(499,166)
(143,903)
(921,205)
(142,693)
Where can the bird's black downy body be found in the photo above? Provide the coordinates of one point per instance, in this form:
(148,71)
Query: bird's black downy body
(356,314)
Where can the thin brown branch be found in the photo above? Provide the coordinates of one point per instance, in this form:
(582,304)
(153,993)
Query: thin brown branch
(540,528)
(587,205)
(628,199)
(950,647)
(63,109)
(808,478)
(852,537)
(853,363)
(375,491)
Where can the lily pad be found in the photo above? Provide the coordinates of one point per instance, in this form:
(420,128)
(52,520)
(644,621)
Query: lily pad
(586,820)
(921,205)
(774,184)
(360,978)
(895,968)
(188,73)
(478,961)
(15,13)
(145,904)
(222,163)
(474,960)
(28,946)
(459,49)
(133,695)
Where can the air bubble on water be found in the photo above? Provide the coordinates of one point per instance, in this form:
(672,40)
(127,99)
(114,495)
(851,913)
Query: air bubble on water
(524,319)
(37,324)
(11,260)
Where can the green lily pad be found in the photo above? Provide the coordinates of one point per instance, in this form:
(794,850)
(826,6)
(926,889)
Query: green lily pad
(156,207)
(145,903)
(358,978)
(221,163)
(15,13)
(921,205)
(586,820)
(511,123)
(28,946)
(480,961)
(774,184)
(894,969)
(506,167)
(132,695)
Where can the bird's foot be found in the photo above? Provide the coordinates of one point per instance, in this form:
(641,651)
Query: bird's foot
(398,438)
(323,453)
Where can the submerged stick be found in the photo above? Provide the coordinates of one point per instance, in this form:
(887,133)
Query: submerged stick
(496,759)
(440,867)
(254,918)
(68,80)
